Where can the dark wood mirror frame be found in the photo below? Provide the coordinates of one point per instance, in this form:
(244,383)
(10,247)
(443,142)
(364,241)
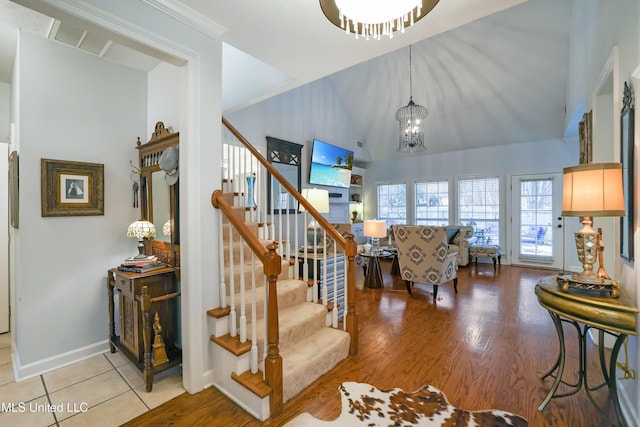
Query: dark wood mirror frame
(168,251)
(286,157)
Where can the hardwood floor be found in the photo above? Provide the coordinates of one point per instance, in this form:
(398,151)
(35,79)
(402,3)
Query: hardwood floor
(485,348)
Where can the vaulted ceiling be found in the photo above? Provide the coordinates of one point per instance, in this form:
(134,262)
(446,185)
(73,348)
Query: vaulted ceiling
(490,73)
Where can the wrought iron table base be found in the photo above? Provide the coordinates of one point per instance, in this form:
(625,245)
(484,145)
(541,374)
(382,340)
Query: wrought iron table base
(608,370)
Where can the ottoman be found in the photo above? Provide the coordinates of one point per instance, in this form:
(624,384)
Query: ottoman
(485,251)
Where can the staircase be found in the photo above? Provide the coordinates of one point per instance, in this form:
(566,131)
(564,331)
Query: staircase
(271,335)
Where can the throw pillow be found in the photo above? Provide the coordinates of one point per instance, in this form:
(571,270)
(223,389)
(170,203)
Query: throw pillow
(451,234)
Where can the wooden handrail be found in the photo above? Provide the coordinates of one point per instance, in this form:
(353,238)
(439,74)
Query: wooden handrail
(272,267)
(331,231)
(218,202)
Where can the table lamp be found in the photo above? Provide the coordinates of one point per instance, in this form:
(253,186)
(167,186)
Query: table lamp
(376,229)
(141,230)
(593,189)
(319,199)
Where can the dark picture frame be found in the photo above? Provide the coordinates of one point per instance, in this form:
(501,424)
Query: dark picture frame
(586,141)
(286,158)
(626,158)
(71,188)
(14,189)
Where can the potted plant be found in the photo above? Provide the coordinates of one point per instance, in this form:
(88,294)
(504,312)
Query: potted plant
(354,216)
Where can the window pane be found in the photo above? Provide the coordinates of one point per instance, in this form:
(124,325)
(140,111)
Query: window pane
(479,206)
(432,203)
(392,203)
(536,217)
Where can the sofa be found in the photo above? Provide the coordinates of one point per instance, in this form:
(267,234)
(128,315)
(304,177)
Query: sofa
(460,241)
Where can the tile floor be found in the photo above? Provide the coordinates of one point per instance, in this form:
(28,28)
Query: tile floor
(104,390)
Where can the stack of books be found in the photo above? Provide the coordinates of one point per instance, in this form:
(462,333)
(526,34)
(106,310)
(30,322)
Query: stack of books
(141,265)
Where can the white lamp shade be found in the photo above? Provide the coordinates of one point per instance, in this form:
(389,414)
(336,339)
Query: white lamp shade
(141,230)
(375,228)
(593,189)
(318,198)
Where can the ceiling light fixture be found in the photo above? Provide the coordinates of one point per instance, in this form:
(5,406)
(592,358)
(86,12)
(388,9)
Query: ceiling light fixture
(375,18)
(411,117)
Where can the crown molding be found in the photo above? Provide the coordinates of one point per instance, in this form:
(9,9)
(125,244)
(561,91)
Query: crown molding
(189,16)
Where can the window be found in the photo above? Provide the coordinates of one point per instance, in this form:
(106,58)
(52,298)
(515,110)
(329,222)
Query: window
(432,203)
(479,206)
(392,203)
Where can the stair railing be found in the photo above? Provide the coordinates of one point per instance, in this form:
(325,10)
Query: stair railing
(348,245)
(281,229)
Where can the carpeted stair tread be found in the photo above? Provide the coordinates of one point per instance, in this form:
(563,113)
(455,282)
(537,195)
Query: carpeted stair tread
(247,268)
(311,358)
(291,292)
(247,252)
(295,323)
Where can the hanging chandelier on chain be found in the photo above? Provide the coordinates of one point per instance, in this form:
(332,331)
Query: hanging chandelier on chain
(411,119)
(375,18)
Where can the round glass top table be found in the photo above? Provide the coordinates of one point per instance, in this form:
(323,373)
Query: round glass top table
(373,278)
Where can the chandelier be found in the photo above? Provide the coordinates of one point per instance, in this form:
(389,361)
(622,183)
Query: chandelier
(411,117)
(375,18)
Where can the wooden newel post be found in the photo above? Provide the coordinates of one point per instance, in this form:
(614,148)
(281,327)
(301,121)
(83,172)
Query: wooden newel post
(273,361)
(350,250)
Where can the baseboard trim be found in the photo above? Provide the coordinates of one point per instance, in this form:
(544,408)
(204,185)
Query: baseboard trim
(23,372)
(629,413)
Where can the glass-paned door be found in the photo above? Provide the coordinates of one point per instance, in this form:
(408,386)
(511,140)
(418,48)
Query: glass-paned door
(537,227)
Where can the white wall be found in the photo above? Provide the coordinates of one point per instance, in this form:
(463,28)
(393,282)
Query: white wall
(5,110)
(164,98)
(311,111)
(315,110)
(615,24)
(194,44)
(72,106)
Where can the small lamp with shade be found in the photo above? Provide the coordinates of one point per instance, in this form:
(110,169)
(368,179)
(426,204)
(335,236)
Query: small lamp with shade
(141,230)
(319,199)
(593,189)
(376,229)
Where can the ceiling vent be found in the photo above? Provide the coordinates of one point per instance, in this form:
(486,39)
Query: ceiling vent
(80,39)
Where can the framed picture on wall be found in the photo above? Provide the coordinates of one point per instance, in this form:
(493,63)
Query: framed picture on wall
(586,142)
(626,158)
(14,187)
(71,188)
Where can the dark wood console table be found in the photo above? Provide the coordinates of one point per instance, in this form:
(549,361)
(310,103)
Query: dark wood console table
(147,303)
(612,316)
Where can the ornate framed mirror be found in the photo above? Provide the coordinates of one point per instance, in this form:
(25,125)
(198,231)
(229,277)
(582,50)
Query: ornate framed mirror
(159,200)
(286,157)
(626,158)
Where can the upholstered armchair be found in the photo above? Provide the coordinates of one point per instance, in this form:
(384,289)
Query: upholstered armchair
(460,240)
(424,257)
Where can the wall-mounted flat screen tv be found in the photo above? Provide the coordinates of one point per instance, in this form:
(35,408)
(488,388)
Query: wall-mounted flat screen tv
(330,165)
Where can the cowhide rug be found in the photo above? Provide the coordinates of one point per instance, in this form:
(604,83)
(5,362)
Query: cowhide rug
(365,405)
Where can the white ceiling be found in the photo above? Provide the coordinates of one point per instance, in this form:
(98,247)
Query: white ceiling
(489,72)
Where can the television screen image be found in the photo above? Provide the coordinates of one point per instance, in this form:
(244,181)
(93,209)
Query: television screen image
(330,165)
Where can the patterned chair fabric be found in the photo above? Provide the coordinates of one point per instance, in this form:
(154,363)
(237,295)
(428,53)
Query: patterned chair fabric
(424,256)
